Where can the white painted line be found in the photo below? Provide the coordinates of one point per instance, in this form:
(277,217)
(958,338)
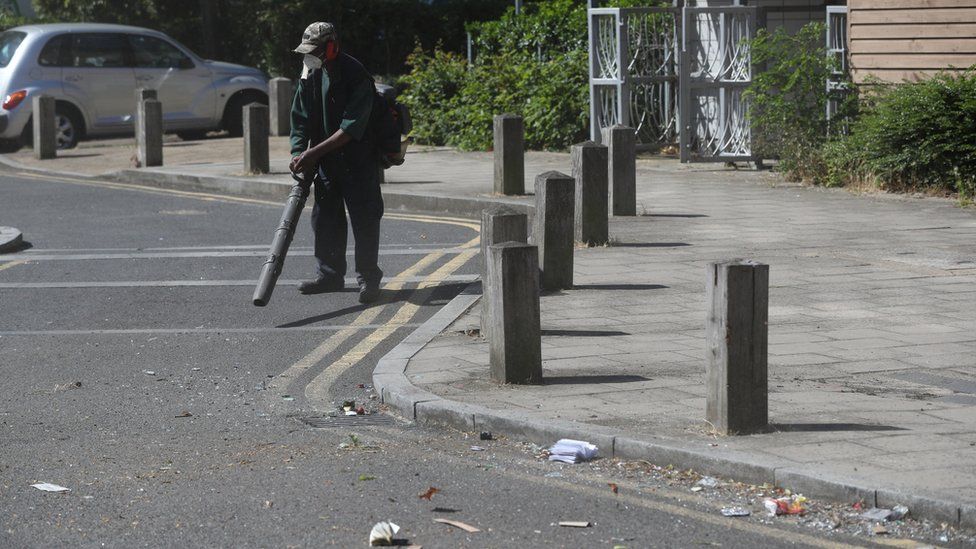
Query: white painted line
(424,246)
(191,331)
(208,254)
(194,283)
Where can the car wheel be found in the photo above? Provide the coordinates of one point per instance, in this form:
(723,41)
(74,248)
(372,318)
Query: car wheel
(192,135)
(68,129)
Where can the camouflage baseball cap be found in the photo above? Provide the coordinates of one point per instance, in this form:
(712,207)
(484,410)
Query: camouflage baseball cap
(316,35)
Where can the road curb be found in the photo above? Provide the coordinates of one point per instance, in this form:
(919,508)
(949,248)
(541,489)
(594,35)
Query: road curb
(427,408)
(11,239)
(423,407)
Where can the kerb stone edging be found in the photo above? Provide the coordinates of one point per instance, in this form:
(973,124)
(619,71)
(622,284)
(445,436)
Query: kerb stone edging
(423,407)
(427,408)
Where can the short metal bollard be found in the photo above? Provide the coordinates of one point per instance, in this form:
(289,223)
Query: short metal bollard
(737,296)
(555,196)
(590,172)
(149,133)
(256,159)
(45,128)
(498,224)
(509,154)
(512,299)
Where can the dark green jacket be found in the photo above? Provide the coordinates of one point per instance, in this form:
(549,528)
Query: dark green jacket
(347,101)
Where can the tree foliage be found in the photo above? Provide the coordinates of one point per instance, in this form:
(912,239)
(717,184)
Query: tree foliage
(262,33)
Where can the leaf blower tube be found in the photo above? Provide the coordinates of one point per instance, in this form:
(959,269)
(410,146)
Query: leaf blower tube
(282,240)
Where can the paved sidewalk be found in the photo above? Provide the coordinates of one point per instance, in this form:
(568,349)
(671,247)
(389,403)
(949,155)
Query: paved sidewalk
(872,327)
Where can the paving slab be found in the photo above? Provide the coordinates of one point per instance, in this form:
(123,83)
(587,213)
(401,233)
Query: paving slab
(872,322)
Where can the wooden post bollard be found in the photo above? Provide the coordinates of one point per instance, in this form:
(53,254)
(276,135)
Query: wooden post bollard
(149,133)
(281,91)
(498,224)
(512,295)
(509,154)
(737,296)
(622,169)
(555,196)
(256,132)
(590,172)
(45,128)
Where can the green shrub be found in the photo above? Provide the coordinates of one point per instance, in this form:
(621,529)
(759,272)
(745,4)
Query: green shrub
(788,99)
(455,105)
(919,134)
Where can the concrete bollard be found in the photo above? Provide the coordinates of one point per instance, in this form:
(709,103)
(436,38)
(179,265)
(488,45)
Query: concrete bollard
(622,169)
(509,154)
(141,95)
(512,299)
(149,133)
(737,295)
(281,91)
(256,132)
(498,224)
(555,196)
(590,171)
(45,128)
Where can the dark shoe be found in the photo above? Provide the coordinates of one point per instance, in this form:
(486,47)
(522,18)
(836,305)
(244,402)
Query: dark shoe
(369,293)
(321,285)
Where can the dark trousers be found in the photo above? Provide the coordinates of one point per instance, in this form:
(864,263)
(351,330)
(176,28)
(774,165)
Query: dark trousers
(361,197)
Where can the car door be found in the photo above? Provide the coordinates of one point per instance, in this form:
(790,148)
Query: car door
(183,86)
(98,75)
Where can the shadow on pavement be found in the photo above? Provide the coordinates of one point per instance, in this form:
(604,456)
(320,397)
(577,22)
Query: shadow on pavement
(674,215)
(582,380)
(584,333)
(648,244)
(619,287)
(827,427)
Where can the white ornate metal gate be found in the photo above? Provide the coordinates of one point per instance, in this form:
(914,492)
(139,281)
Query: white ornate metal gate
(676,75)
(634,72)
(716,68)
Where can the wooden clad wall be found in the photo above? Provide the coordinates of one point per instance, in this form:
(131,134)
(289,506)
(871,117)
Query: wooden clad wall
(897,40)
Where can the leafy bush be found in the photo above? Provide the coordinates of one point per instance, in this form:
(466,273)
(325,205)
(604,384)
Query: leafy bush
(788,99)
(919,134)
(453,104)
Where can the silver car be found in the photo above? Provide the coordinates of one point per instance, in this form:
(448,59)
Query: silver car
(93,70)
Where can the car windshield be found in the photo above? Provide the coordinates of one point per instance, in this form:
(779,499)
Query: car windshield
(8,45)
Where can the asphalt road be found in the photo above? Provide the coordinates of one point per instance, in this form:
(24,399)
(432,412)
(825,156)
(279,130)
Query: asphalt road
(137,373)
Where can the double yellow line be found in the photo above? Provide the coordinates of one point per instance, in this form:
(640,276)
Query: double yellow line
(318,390)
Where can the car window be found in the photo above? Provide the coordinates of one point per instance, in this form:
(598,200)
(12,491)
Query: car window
(151,52)
(99,50)
(55,52)
(9,41)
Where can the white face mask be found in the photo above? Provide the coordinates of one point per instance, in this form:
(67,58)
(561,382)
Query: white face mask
(311,62)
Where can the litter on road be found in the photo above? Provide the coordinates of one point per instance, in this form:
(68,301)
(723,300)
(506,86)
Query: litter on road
(572,451)
(792,505)
(735,512)
(477,449)
(486,435)
(575,524)
(458,524)
(428,494)
(48,487)
(382,533)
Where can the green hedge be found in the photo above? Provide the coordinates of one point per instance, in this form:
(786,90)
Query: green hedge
(533,64)
(912,135)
